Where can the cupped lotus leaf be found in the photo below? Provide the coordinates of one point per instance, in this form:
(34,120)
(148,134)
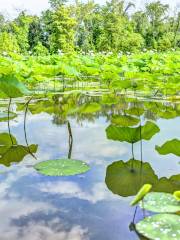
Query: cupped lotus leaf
(62,167)
(160,227)
(90,108)
(12,87)
(176,194)
(124,120)
(172,146)
(135,111)
(126,178)
(132,135)
(142,192)
(160,202)
(16,153)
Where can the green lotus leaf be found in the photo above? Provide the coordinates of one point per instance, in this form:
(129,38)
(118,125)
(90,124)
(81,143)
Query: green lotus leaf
(5,139)
(11,86)
(132,135)
(109,99)
(172,146)
(160,202)
(168,185)
(142,192)
(90,108)
(15,153)
(135,111)
(124,120)
(126,178)
(160,227)
(62,167)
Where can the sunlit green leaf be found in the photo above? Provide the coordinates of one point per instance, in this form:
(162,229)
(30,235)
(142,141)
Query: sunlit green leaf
(160,202)
(172,146)
(160,227)
(62,167)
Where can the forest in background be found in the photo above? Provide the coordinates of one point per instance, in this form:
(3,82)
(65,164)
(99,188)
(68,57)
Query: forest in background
(86,27)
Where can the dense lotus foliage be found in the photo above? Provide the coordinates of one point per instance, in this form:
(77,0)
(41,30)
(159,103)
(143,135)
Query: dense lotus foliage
(151,74)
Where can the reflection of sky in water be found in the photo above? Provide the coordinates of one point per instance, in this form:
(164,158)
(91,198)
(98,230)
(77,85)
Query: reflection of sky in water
(78,207)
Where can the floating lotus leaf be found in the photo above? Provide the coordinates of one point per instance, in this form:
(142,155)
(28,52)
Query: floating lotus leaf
(160,202)
(132,135)
(124,120)
(160,227)
(142,192)
(11,86)
(62,167)
(16,153)
(172,146)
(126,178)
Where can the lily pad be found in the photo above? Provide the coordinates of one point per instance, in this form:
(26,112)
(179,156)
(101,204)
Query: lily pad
(172,146)
(132,135)
(62,167)
(126,178)
(160,227)
(124,120)
(160,202)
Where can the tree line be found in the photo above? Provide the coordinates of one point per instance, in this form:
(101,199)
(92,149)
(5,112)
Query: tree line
(84,27)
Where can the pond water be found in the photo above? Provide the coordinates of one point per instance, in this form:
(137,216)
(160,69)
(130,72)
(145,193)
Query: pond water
(86,206)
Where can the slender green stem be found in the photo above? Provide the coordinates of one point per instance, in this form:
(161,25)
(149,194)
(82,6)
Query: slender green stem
(9,130)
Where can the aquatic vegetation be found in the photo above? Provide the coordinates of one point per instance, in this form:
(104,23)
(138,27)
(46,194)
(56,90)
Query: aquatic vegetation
(126,178)
(160,202)
(124,120)
(62,167)
(132,135)
(160,226)
(11,151)
(172,146)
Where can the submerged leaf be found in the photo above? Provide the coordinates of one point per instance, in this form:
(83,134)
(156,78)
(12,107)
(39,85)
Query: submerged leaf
(61,167)
(160,227)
